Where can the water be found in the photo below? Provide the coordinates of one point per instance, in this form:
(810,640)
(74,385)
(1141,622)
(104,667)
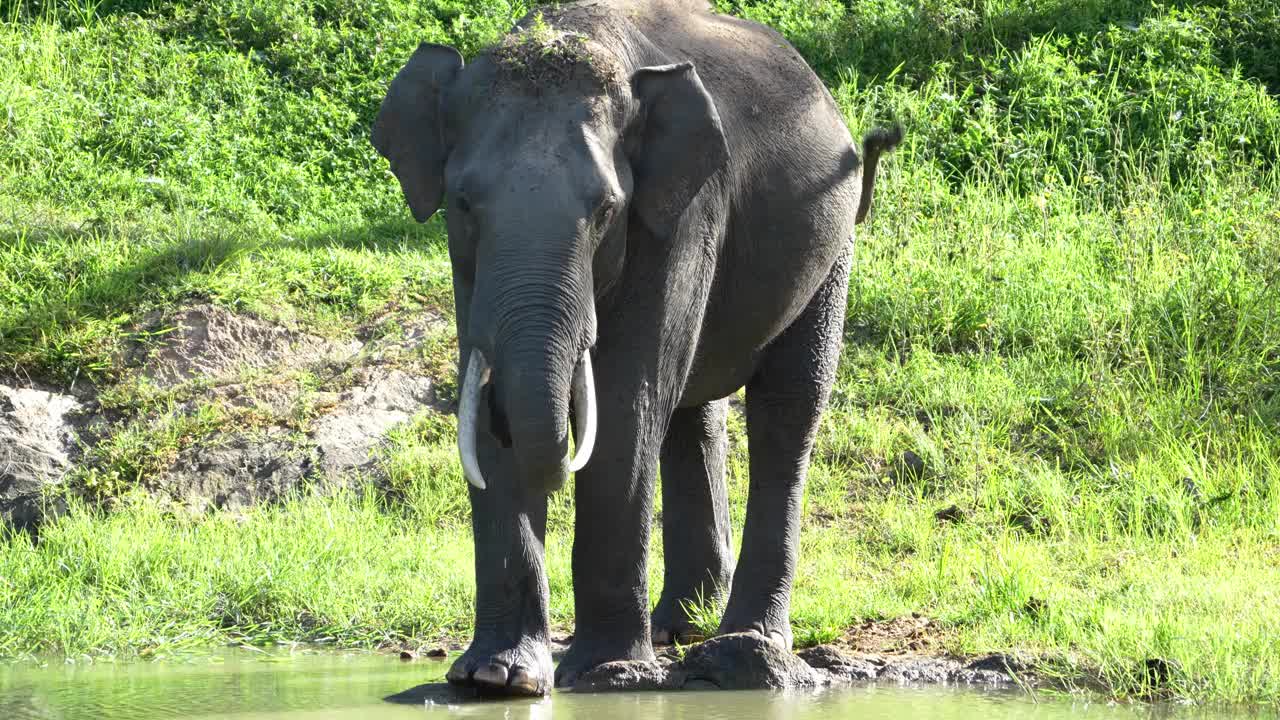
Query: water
(331,686)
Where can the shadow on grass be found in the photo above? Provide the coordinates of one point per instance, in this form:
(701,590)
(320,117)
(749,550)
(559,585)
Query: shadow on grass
(916,38)
(875,39)
(61,334)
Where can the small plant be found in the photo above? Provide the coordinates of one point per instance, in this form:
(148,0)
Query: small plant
(812,636)
(539,31)
(704,610)
(679,649)
(137,451)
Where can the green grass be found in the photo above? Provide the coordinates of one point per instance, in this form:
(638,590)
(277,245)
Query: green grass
(1065,305)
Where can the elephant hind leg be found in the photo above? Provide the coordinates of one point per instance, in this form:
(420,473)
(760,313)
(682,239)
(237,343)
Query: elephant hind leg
(785,400)
(695,518)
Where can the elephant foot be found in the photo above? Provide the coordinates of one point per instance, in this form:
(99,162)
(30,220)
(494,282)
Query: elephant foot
(495,669)
(778,632)
(588,652)
(746,661)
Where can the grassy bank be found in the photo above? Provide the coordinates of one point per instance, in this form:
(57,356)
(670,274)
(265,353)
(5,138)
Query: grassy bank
(1063,324)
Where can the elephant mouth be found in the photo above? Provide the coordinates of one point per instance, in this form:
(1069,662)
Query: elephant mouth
(498,424)
(477,392)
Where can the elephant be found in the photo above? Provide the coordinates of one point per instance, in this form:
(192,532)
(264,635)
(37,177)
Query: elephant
(649,206)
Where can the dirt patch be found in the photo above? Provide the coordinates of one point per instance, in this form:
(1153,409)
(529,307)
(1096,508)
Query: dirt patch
(282,437)
(908,635)
(396,334)
(279,411)
(208,342)
(235,471)
(262,402)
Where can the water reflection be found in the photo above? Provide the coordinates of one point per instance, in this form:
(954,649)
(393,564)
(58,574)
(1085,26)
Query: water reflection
(324,686)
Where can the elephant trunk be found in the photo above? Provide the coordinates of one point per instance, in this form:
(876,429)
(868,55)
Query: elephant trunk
(539,368)
(535,387)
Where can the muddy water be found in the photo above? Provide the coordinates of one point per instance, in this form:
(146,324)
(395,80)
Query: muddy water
(324,686)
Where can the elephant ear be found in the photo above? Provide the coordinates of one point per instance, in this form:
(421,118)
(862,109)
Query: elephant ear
(681,143)
(408,130)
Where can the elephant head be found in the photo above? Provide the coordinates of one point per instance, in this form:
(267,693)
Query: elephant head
(553,164)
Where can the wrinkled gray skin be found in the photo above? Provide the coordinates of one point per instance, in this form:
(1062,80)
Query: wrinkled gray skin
(680,199)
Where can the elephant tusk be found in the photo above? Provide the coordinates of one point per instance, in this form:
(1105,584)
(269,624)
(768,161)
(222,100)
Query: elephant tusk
(468,414)
(584,411)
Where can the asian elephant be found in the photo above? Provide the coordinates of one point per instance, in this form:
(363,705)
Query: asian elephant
(649,206)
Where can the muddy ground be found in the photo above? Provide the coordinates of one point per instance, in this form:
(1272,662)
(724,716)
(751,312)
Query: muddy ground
(746,661)
(292,410)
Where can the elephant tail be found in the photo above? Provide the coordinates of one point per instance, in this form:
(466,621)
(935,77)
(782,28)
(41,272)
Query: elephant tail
(874,144)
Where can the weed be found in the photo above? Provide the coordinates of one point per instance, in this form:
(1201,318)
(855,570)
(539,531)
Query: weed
(704,610)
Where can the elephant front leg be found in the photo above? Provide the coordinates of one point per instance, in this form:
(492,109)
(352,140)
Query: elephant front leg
(695,518)
(613,508)
(510,653)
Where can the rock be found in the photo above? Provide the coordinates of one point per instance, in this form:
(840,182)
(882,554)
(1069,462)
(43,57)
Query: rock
(990,670)
(740,661)
(209,341)
(238,471)
(628,675)
(846,668)
(1158,672)
(840,666)
(943,671)
(912,671)
(909,467)
(1003,664)
(37,444)
(743,661)
(347,436)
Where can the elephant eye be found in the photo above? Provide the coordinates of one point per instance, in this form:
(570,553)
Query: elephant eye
(462,221)
(604,213)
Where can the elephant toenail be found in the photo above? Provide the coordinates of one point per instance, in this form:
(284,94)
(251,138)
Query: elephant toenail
(525,682)
(494,674)
(458,674)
